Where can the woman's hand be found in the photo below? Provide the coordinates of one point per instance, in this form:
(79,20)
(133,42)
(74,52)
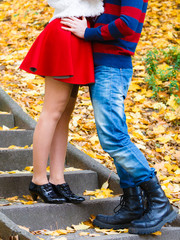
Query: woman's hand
(75,25)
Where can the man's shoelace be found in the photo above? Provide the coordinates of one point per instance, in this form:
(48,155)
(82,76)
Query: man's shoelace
(122,204)
(148,206)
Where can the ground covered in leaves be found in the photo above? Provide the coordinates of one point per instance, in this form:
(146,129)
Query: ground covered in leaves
(153,122)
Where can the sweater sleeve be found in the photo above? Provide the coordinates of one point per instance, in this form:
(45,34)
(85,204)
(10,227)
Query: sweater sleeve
(126,24)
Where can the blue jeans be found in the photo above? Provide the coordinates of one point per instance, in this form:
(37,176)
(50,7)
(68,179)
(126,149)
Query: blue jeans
(108,95)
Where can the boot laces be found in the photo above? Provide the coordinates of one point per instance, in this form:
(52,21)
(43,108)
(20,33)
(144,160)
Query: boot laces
(122,204)
(148,206)
(125,204)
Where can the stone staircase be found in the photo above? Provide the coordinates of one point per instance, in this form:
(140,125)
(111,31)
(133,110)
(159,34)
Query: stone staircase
(53,216)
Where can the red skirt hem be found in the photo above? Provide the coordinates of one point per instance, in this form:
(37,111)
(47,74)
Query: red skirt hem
(57,52)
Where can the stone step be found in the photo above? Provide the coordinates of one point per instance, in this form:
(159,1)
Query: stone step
(168,233)
(16,137)
(15,159)
(54,216)
(7,120)
(17,184)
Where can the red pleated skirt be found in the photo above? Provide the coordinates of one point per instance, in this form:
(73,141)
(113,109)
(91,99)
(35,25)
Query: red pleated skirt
(58,53)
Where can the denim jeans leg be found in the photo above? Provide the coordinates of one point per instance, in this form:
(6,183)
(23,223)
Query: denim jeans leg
(108,94)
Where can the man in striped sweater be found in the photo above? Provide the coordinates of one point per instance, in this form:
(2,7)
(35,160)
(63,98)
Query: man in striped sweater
(115,36)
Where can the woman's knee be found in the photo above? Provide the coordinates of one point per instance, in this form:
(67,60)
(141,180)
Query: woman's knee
(52,116)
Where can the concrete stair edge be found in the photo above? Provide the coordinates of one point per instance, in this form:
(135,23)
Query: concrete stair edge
(167,234)
(21,119)
(9,228)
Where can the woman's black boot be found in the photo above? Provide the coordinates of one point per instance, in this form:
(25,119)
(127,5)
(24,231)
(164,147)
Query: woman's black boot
(65,191)
(45,192)
(158,212)
(130,208)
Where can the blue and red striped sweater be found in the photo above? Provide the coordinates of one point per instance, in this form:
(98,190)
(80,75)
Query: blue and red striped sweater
(117,31)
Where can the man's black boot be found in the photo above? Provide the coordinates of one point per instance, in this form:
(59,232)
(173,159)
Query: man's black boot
(159,210)
(131,207)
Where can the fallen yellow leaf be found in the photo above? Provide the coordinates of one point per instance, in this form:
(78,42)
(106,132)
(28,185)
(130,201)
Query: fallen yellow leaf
(12,198)
(105,185)
(157,233)
(83,234)
(80,226)
(27,203)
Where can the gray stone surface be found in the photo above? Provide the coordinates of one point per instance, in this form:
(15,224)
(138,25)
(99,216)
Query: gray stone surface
(7,120)
(16,137)
(167,234)
(53,216)
(17,184)
(22,120)
(176,222)
(8,228)
(11,159)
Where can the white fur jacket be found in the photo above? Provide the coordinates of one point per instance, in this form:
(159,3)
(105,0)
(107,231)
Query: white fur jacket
(76,8)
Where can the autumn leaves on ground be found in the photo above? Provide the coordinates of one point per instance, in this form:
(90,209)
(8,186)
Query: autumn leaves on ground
(153,113)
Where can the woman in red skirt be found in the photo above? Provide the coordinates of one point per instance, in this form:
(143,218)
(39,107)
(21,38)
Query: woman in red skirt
(66,62)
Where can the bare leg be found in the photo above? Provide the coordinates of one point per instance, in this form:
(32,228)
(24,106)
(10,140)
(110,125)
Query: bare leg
(59,143)
(57,96)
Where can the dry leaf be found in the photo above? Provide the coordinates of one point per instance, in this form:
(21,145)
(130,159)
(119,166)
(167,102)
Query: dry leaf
(12,198)
(157,233)
(105,185)
(80,226)
(29,168)
(24,228)
(27,203)
(83,234)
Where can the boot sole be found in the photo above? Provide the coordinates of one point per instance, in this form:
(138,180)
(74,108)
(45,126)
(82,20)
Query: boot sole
(158,227)
(110,226)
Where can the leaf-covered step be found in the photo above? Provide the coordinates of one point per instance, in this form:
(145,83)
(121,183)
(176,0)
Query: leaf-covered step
(72,221)
(166,233)
(54,216)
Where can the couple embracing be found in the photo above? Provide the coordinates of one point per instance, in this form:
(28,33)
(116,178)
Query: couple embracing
(62,54)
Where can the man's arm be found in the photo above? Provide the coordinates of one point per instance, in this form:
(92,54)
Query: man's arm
(126,24)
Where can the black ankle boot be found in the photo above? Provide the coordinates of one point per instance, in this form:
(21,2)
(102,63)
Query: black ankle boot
(159,210)
(131,207)
(65,191)
(45,192)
